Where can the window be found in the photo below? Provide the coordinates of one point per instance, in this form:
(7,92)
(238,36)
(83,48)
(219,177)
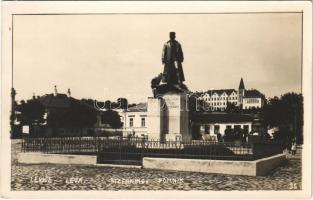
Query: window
(207,129)
(228,126)
(246,128)
(143,122)
(216,129)
(131,122)
(178,138)
(237,127)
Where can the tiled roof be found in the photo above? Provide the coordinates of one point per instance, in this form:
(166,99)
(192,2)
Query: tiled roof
(140,107)
(253,93)
(219,92)
(221,118)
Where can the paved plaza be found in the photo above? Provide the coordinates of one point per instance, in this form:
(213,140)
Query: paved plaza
(79,177)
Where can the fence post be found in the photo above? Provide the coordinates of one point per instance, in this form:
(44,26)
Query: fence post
(142,148)
(119,149)
(22,147)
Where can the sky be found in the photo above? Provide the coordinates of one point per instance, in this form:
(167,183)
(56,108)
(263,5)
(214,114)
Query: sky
(110,56)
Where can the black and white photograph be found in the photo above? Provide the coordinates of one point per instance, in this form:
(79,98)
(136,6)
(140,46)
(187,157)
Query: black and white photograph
(181,99)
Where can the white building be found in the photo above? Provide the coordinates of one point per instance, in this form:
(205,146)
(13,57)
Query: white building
(208,125)
(246,99)
(253,99)
(218,99)
(135,121)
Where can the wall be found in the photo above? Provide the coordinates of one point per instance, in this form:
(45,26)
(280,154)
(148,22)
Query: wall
(177,117)
(154,118)
(37,158)
(250,168)
(252,102)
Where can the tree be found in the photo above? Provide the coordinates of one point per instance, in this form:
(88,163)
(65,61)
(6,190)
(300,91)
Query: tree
(30,112)
(77,115)
(107,104)
(123,103)
(89,102)
(231,108)
(286,113)
(112,118)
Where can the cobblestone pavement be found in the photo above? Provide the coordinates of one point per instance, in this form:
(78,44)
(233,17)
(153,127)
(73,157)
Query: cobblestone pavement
(76,177)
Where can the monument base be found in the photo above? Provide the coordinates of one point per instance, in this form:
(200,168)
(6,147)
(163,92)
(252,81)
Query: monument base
(168,117)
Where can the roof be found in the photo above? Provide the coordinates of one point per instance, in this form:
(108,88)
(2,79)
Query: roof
(253,94)
(221,91)
(241,84)
(140,107)
(221,118)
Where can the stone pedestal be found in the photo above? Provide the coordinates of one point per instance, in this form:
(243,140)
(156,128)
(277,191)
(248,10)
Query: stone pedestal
(168,117)
(155,118)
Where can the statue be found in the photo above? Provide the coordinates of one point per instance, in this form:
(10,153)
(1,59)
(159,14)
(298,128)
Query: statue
(172,58)
(172,77)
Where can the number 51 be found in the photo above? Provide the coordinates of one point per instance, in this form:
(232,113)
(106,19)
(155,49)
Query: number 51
(293,186)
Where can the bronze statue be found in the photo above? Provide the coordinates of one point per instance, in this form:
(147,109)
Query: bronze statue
(172,58)
(172,78)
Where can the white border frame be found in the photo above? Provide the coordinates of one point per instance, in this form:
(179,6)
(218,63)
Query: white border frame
(35,7)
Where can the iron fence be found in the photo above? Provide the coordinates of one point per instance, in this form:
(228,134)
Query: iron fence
(132,150)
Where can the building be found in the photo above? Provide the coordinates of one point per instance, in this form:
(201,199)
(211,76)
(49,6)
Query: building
(61,115)
(206,126)
(253,99)
(243,98)
(134,121)
(64,115)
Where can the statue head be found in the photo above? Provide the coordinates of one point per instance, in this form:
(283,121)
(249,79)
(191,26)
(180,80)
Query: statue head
(172,35)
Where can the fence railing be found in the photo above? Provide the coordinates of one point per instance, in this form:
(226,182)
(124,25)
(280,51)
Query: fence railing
(132,150)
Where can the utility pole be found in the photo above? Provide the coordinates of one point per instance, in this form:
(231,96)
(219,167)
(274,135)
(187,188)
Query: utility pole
(12,117)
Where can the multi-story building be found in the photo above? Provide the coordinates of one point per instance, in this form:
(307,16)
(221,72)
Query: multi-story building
(246,99)
(135,120)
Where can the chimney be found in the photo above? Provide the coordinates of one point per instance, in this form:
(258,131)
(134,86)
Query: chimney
(69,92)
(55,91)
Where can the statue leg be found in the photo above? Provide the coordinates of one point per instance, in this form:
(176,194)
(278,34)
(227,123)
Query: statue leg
(172,76)
(165,73)
(180,72)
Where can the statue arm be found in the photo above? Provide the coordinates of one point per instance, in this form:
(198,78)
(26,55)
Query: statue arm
(180,52)
(164,54)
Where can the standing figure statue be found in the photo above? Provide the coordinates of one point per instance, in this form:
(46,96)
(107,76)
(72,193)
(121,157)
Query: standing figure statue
(172,58)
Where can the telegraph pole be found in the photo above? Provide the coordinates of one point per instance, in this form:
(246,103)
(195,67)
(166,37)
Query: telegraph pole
(12,117)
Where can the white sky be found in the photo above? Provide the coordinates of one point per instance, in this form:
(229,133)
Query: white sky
(111,56)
